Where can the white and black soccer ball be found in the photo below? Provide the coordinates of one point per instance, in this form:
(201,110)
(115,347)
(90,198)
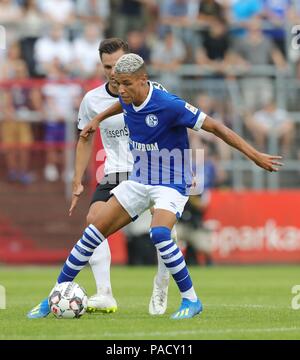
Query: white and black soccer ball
(68,300)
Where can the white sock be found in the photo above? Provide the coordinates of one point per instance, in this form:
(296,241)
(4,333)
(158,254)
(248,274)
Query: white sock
(189,294)
(100,264)
(163,274)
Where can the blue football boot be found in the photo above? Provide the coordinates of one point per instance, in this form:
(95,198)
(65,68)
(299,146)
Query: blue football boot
(40,311)
(188,309)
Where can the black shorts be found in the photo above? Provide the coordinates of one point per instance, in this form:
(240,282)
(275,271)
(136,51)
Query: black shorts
(109,182)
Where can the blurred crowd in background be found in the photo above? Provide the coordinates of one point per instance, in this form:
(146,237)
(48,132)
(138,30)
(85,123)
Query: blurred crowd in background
(54,43)
(238,60)
(51,34)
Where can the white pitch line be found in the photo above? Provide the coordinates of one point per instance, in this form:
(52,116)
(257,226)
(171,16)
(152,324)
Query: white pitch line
(258,306)
(200,331)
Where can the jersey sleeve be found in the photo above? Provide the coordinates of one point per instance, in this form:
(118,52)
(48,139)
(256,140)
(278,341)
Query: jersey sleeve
(83,115)
(188,115)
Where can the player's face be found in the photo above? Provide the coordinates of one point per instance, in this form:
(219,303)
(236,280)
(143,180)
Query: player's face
(108,62)
(131,87)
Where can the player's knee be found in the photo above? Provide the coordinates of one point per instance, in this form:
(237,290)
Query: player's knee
(90,218)
(98,222)
(159,234)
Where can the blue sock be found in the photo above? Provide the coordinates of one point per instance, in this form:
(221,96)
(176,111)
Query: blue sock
(81,254)
(173,259)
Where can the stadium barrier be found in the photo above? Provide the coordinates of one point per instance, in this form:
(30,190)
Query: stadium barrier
(249,227)
(255,226)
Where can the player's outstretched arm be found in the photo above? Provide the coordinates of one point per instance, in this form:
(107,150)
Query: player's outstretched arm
(83,154)
(93,125)
(265,161)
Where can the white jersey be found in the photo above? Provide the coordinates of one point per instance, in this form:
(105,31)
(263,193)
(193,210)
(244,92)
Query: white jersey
(114,132)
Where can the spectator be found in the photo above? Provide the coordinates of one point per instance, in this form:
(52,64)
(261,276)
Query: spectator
(275,15)
(10,15)
(215,51)
(61,99)
(58,11)
(10,12)
(241,12)
(130,15)
(209,10)
(93,11)
(167,56)
(255,50)
(53,48)
(271,120)
(178,15)
(9,66)
(245,10)
(30,29)
(20,105)
(138,44)
(85,51)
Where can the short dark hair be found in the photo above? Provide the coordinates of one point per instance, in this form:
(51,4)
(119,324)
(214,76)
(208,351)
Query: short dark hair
(111,45)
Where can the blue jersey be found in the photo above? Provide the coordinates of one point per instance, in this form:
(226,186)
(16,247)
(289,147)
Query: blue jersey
(158,139)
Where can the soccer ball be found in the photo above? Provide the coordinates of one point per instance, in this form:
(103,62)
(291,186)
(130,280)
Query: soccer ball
(68,300)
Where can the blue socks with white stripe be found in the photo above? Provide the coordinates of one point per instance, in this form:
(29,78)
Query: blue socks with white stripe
(161,237)
(81,254)
(174,260)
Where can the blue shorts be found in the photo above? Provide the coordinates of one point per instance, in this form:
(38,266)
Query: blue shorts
(55,132)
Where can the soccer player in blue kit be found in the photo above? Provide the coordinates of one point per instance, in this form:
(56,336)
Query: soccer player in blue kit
(157,123)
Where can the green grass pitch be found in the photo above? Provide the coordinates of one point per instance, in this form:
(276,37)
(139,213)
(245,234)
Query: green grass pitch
(239,303)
